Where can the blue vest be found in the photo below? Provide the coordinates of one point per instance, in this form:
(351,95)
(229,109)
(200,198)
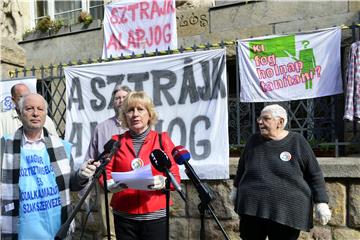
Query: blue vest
(40,204)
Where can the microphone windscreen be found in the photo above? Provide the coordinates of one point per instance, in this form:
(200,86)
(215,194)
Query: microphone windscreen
(109,145)
(180,154)
(159,160)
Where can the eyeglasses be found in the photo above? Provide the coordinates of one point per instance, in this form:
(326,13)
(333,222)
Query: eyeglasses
(264,118)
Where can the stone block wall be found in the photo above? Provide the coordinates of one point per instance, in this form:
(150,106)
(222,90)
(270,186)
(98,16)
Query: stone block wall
(12,56)
(342,177)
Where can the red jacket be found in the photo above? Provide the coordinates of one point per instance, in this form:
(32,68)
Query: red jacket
(138,201)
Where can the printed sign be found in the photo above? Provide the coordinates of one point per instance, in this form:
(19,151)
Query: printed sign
(290,67)
(189,91)
(132,26)
(6,103)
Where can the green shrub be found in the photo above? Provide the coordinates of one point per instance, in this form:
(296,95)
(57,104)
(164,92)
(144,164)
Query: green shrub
(44,24)
(57,24)
(85,17)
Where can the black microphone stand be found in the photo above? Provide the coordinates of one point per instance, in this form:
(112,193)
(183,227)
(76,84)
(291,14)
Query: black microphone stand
(167,195)
(206,196)
(61,233)
(106,203)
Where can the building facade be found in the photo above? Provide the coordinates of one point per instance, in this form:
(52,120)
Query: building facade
(198,22)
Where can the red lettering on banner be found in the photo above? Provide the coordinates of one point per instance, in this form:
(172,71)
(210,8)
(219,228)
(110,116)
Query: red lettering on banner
(260,73)
(144,6)
(289,80)
(169,6)
(279,70)
(155,9)
(264,86)
(131,40)
(167,36)
(133,8)
(265,60)
(114,42)
(140,34)
(150,40)
(157,35)
(258,48)
(145,10)
(116,17)
(141,38)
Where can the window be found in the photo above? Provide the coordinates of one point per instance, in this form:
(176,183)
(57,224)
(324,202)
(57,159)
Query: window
(41,10)
(96,9)
(66,10)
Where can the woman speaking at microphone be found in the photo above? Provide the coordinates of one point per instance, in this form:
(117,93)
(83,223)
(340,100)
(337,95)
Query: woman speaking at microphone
(139,214)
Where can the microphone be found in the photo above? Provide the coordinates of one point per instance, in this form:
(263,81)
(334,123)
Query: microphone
(115,147)
(162,163)
(182,156)
(108,147)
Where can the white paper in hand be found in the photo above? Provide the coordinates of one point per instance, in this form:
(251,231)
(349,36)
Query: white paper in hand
(140,178)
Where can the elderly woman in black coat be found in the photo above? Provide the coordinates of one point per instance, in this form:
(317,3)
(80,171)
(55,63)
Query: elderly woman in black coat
(277,182)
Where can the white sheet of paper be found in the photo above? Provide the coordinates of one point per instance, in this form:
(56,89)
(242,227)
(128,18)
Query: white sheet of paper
(139,178)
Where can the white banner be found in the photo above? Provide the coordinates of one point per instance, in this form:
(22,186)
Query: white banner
(290,67)
(189,91)
(6,103)
(134,26)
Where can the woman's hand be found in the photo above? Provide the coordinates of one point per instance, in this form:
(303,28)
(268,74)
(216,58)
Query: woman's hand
(114,187)
(159,183)
(323,213)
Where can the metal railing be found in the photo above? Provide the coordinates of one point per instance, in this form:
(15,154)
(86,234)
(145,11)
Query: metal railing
(320,120)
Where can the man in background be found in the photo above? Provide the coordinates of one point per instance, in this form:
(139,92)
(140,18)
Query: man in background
(102,134)
(10,121)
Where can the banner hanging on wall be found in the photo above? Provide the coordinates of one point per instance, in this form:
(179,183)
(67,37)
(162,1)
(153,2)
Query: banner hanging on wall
(132,26)
(189,91)
(290,67)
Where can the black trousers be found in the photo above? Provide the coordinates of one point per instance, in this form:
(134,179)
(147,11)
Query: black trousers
(126,229)
(255,228)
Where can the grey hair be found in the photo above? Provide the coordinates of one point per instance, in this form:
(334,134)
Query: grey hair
(276,111)
(120,87)
(22,100)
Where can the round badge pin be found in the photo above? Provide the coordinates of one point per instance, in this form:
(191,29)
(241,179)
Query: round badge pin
(285,156)
(137,163)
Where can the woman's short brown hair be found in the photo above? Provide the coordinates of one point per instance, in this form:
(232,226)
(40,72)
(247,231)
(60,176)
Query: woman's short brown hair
(138,97)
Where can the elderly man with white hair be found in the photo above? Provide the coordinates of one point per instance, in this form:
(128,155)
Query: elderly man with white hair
(37,176)
(277,182)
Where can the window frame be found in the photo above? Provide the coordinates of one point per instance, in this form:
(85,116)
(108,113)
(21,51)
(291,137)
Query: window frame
(51,10)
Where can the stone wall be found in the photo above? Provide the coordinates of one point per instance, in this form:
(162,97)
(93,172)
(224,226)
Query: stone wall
(342,177)
(11,54)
